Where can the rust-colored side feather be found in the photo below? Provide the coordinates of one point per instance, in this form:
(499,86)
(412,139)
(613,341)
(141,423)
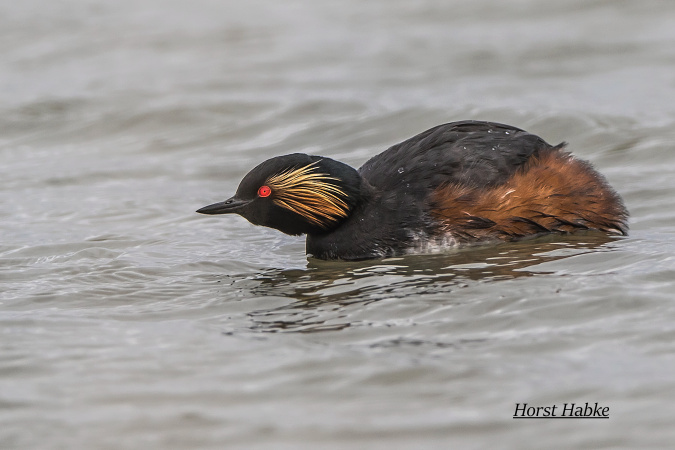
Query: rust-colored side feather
(310,194)
(552,192)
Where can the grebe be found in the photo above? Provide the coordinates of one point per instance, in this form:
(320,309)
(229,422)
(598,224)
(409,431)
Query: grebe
(454,184)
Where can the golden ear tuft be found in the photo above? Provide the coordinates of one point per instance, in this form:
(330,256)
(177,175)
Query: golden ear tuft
(310,194)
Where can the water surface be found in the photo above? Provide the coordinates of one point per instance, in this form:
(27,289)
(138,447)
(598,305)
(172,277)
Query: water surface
(129,321)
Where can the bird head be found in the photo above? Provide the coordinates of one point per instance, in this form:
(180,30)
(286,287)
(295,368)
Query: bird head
(295,194)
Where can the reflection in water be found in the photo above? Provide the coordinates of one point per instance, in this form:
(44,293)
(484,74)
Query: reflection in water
(330,286)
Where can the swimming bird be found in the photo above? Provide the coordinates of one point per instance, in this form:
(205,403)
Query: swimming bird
(455,184)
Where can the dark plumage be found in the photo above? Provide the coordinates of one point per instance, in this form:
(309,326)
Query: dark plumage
(458,183)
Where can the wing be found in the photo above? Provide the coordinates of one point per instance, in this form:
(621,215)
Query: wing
(469,153)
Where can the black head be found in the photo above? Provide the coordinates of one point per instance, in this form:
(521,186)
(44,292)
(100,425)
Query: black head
(296,194)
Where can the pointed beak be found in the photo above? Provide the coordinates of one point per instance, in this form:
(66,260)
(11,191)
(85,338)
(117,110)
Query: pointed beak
(232,205)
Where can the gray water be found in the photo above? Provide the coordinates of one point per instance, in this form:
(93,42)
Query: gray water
(128,321)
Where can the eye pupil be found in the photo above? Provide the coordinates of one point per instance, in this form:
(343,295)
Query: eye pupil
(264,191)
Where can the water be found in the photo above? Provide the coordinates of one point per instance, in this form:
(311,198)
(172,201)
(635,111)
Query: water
(128,321)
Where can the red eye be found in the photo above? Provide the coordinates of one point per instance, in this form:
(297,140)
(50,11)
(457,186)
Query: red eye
(264,191)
